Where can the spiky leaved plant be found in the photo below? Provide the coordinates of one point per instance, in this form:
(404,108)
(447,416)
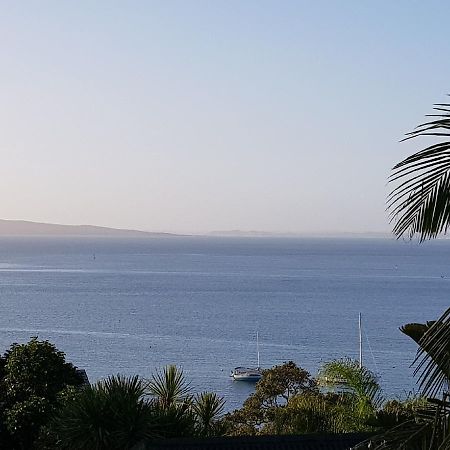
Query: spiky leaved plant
(112,414)
(169,387)
(208,408)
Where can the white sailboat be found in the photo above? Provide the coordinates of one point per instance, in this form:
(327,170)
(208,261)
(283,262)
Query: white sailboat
(326,381)
(252,374)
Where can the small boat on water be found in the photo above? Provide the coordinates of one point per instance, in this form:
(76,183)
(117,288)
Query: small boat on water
(246,374)
(251,374)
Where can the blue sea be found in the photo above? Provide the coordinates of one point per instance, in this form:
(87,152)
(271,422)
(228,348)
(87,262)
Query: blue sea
(131,306)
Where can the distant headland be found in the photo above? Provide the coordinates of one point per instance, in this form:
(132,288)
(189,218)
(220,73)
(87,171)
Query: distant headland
(27,228)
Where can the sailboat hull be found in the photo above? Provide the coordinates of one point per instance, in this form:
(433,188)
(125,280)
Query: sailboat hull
(246,374)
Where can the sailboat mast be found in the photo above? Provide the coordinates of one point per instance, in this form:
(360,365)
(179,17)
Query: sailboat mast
(360,342)
(257,346)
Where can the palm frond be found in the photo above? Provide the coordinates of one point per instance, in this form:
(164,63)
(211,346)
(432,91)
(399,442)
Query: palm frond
(208,408)
(433,356)
(176,420)
(169,386)
(420,203)
(361,381)
(112,414)
(121,386)
(428,431)
(314,412)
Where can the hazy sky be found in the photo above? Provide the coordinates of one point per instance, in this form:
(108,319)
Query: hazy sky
(190,116)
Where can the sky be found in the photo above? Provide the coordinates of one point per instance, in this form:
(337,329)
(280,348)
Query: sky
(202,115)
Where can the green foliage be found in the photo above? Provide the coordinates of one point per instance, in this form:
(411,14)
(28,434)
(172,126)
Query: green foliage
(280,383)
(275,389)
(169,387)
(179,412)
(118,413)
(24,419)
(315,412)
(288,401)
(112,414)
(420,201)
(433,357)
(360,382)
(172,401)
(427,429)
(33,377)
(427,424)
(36,368)
(208,408)
(396,412)
(175,421)
(43,407)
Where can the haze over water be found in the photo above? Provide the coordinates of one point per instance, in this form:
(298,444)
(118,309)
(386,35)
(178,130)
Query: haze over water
(140,304)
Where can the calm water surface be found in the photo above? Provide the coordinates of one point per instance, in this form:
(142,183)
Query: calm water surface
(197,302)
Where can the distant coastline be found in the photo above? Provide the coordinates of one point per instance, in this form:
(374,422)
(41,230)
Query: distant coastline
(28,228)
(342,234)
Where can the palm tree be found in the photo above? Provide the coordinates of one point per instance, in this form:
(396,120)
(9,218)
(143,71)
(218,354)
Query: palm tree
(420,202)
(317,412)
(361,384)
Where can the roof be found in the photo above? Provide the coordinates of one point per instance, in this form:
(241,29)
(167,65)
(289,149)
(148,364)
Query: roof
(83,375)
(286,442)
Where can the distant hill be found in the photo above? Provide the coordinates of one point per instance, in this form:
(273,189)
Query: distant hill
(26,228)
(243,233)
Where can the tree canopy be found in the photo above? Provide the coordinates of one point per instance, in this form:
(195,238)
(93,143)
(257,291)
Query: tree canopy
(34,375)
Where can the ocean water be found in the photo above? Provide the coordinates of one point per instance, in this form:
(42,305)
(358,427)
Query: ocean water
(197,302)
